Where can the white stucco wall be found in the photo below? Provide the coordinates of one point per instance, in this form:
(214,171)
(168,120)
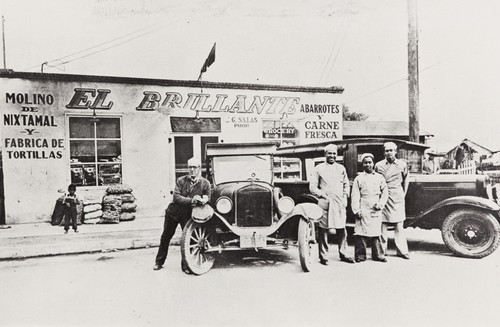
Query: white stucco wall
(31,183)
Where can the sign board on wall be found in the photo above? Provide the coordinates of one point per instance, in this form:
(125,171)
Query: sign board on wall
(37,110)
(255,115)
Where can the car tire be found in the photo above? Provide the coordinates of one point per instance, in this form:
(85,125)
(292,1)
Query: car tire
(196,239)
(306,239)
(471,233)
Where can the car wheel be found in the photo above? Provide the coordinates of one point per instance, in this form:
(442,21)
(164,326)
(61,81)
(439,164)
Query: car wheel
(471,233)
(196,240)
(306,243)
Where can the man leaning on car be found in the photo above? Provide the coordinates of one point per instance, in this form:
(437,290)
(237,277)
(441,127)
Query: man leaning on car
(331,184)
(190,190)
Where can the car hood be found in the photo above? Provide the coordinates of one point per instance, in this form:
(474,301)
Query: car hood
(228,189)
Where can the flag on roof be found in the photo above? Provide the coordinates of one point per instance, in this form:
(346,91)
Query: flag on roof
(209,61)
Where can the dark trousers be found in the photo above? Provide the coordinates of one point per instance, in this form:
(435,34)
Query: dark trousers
(169,227)
(362,242)
(323,243)
(70,214)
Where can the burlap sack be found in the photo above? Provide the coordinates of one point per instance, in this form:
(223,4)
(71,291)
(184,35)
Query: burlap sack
(127,216)
(129,207)
(128,198)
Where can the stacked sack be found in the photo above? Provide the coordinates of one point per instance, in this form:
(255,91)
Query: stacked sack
(92,208)
(128,207)
(118,204)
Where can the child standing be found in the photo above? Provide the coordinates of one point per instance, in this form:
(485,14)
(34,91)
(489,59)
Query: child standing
(70,202)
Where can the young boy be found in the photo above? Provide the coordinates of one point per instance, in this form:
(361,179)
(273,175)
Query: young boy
(70,202)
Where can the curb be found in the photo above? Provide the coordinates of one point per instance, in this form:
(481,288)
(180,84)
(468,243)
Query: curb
(24,247)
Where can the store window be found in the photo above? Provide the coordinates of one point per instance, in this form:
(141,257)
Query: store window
(95,151)
(285,133)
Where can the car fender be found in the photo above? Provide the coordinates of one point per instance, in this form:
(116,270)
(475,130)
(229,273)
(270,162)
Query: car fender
(202,214)
(309,198)
(307,210)
(465,200)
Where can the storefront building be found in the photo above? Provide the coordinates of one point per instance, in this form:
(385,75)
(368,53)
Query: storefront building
(96,131)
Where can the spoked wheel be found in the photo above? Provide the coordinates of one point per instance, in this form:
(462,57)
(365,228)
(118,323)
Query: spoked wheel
(306,240)
(471,233)
(196,240)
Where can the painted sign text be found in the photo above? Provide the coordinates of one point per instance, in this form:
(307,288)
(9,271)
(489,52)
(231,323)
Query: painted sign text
(221,103)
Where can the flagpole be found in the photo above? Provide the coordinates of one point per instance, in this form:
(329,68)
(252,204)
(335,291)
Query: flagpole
(201,82)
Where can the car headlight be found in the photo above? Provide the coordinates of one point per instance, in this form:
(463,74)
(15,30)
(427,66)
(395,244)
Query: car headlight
(224,205)
(286,204)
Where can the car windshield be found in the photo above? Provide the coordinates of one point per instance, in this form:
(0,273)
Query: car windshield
(238,168)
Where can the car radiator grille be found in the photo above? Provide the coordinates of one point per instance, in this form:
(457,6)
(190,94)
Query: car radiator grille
(253,206)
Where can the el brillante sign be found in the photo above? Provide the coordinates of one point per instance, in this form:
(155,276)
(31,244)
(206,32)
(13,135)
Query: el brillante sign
(86,98)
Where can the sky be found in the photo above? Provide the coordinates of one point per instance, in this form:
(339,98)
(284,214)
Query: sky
(360,45)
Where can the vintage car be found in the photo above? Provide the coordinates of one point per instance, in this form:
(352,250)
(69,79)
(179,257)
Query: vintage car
(463,207)
(246,210)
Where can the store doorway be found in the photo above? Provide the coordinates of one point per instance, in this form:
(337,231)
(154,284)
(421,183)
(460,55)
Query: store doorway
(186,147)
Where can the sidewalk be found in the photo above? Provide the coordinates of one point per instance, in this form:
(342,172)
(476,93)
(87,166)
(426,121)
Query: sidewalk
(42,239)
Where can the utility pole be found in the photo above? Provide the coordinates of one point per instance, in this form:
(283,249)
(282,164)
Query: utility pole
(3,41)
(413,90)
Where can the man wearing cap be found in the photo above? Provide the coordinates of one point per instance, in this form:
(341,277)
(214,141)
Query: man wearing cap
(368,197)
(330,184)
(190,190)
(396,175)
(428,164)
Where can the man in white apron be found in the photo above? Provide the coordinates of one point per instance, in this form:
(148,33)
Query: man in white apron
(396,175)
(369,195)
(330,184)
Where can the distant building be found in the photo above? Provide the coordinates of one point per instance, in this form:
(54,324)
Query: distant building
(468,150)
(387,129)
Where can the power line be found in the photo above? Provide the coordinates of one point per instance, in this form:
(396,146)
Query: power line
(98,45)
(338,51)
(107,48)
(395,82)
(340,35)
(329,56)
(377,90)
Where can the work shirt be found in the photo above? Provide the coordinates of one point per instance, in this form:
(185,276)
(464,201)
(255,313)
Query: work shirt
(368,190)
(329,182)
(395,174)
(185,190)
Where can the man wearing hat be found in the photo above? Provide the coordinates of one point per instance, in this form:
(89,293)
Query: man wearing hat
(396,175)
(190,190)
(428,164)
(330,184)
(368,197)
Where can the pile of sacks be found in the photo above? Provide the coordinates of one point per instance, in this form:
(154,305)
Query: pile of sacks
(92,209)
(118,204)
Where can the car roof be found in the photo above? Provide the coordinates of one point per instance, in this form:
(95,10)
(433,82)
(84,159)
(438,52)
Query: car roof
(314,150)
(237,149)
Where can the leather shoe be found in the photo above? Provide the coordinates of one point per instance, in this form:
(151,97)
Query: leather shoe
(359,260)
(324,262)
(405,256)
(185,269)
(381,259)
(347,259)
(157,267)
